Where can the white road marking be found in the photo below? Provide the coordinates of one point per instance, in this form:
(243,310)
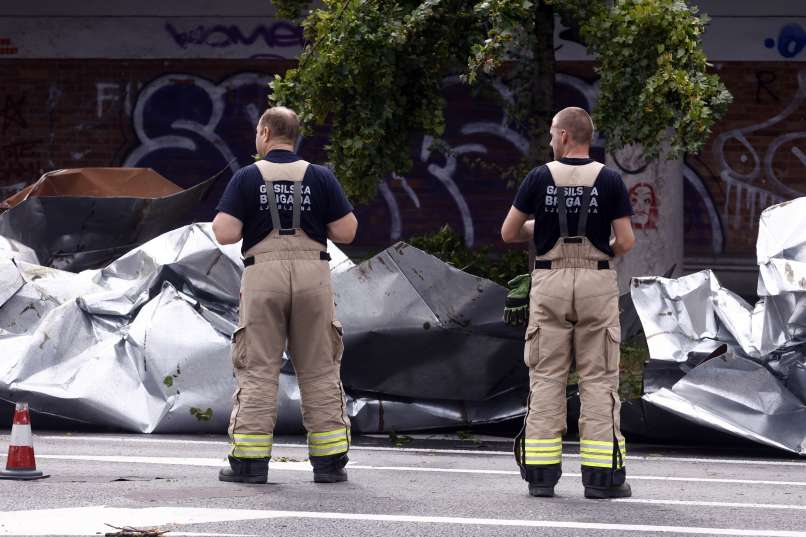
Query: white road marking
(90,520)
(650,458)
(714,504)
(304,466)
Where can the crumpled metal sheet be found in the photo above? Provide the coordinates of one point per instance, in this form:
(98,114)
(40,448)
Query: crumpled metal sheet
(429,348)
(143,344)
(755,386)
(16,250)
(418,328)
(74,220)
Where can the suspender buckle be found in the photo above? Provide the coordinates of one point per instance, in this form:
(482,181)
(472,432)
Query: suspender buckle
(289,231)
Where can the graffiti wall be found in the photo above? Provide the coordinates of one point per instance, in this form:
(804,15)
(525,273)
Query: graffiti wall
(190,118)
(755,158)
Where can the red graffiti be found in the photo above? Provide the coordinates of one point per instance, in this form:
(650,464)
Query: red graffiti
(644,205)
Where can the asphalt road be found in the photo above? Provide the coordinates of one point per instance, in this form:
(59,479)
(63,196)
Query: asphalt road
(430,486)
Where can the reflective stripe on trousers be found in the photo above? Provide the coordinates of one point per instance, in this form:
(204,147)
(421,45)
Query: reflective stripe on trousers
(251,446)
(601,454)
(328,443)
(543,451)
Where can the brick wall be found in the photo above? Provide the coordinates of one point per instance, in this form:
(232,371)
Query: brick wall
(754,158)
(190,118)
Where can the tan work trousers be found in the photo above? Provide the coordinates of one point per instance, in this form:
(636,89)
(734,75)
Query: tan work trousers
(573,310)
(286,296)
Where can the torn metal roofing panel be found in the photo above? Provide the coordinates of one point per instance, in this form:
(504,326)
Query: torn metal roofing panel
(143,344)
(84,218)
(740,369)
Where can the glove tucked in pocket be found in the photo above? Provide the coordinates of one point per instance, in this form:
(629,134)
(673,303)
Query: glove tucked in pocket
(516,307)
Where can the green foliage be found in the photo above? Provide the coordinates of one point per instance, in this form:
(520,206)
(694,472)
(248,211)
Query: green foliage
(290,9)
(634,354)
(448,246)
(374,72)
(505,27)
(654,85)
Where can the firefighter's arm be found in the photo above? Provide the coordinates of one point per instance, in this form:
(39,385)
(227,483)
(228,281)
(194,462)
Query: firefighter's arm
(227,229)
(517,227)
(343,230)
(623,238)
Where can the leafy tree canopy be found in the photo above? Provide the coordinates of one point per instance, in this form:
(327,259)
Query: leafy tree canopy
(374,69)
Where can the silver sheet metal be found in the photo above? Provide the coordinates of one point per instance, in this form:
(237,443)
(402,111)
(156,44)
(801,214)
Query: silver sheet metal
(143,344)
(84,231)
(755,386)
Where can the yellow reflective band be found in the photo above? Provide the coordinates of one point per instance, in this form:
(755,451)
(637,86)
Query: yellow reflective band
(597,457)
(321,452)
(597,464)
(543,449)
(595,450)
(253,449)
(239,436)
(344,432)
(326,443)
(557,440)
(250,453)
(598,443)
(542,462)
(544,456)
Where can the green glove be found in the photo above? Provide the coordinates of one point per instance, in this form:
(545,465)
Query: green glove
(516,308)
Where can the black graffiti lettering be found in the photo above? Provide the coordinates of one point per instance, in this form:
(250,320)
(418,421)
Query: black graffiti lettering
(281,34)
(11,113)
(763,81)
(19,161)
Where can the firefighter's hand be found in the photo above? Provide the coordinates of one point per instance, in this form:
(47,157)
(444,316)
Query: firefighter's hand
(516,308)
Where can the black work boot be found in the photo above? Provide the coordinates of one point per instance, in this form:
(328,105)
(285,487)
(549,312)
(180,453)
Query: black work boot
(245,471)
(542,479)
(330,468)
(604,483)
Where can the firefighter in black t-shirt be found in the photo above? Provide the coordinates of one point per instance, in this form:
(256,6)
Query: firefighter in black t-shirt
(285,209)
(573,309)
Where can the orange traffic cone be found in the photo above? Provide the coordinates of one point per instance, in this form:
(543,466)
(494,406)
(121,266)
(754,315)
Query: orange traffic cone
(21,463)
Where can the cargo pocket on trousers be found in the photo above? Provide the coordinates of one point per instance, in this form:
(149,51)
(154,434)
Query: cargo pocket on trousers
(239,348)
(612,351)
(531,347)
(338,340)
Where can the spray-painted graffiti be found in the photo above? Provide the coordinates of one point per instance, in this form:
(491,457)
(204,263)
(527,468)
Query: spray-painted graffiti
(790,42)
(11,113)
(644,205)
(20,156)
(20,160)
(751,178)
(7,47)
(280,34)
(186,118)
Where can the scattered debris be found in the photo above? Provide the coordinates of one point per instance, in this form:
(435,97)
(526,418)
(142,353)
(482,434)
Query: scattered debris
(719,362)
(129,531)
(201,415)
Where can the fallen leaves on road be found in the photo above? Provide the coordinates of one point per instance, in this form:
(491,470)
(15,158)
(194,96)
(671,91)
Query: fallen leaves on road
(129,531)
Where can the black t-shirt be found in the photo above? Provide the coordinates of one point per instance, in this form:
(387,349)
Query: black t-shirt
(323,200)
(609,200)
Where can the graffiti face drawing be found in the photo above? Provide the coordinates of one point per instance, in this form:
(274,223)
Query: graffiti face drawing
(644,205)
